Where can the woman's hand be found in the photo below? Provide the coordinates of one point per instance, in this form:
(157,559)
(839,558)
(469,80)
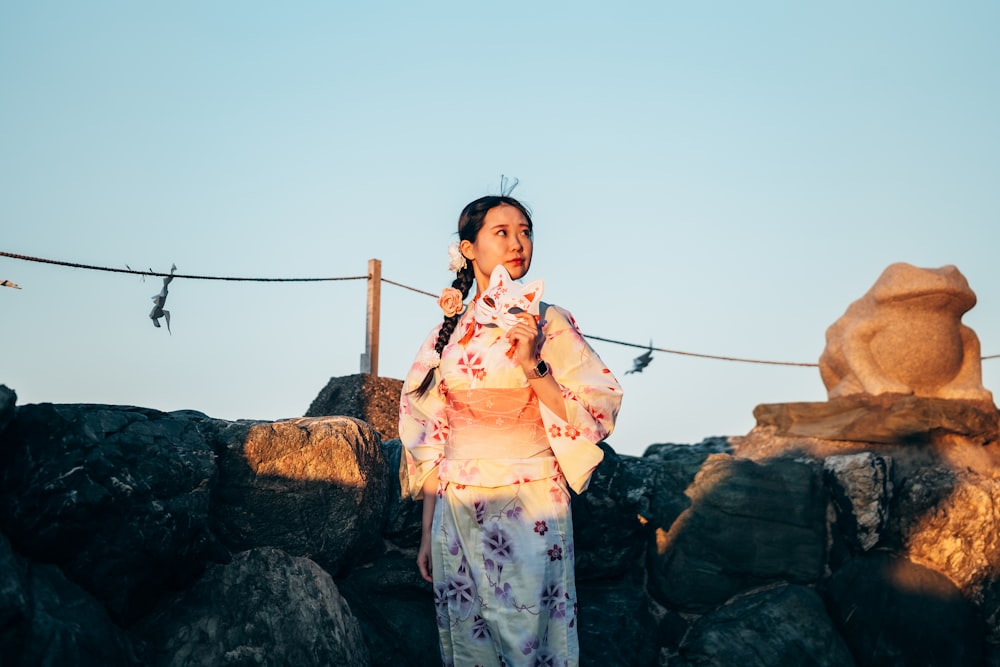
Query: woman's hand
(524,338)
(424,557)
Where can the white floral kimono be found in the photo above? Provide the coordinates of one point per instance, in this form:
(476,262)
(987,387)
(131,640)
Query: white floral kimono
(502,550)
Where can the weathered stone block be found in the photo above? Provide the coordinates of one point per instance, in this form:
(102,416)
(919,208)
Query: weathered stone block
(882,419)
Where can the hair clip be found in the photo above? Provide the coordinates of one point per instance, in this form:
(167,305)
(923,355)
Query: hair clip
(456,260)
(506,186)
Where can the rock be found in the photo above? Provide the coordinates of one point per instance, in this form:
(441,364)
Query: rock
(395,608)
(690,555)
(894,612)
(905,336)
(748,525)
(943,513)
(688,457)
(370,398)
(313,487)
(681,464)
(118,497)
(45,619)
(610,527)
(263,608)
(404,516)
(935,510)
(883,419)
(781,625)
(617,625)
(955,452)
(861,488)
(8,401)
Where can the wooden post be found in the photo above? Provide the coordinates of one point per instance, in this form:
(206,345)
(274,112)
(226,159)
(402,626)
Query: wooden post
(369,360)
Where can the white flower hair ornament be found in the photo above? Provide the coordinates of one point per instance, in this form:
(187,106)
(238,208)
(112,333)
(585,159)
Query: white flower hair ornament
(456,260)
(429,359)
(502,301)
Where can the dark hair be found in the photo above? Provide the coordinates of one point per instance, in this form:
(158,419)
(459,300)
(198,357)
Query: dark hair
(470,221)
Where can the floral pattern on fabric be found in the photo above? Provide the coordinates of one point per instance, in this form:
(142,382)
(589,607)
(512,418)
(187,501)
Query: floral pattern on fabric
(507,593)
(502,547)
(477,357)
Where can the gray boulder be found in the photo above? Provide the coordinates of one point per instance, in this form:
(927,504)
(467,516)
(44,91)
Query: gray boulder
(118,497)
(609,525)
(618,625)
(45,619)
(749,524)
(395,608)
(679,465)
(403,516)
(781,625)
(263,608)
(894,612)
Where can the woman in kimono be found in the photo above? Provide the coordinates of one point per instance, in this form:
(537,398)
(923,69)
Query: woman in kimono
(500,414)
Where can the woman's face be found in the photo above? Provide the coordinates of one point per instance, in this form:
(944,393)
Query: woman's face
(504,238)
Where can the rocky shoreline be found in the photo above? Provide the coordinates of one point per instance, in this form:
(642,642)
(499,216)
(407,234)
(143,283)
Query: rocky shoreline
(136,537)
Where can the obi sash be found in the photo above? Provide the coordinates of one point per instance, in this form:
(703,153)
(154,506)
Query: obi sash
(496,437)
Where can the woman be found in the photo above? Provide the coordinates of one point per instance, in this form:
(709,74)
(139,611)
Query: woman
(497,422)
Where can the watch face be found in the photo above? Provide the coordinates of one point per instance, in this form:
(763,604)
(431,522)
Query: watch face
(540,370)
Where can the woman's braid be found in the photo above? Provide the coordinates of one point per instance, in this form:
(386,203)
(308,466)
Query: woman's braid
(462,282)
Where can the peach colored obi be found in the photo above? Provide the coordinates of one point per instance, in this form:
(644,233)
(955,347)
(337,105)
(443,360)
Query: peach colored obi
(495,438)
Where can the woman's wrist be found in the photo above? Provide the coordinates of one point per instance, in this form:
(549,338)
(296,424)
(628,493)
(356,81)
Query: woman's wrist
(535,370)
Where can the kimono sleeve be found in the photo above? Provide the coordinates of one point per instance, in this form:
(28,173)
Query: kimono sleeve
(591,393)
(423,424)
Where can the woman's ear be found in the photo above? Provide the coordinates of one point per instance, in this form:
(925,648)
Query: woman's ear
(468,250)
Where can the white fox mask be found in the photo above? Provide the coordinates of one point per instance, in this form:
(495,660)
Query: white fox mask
(504,298)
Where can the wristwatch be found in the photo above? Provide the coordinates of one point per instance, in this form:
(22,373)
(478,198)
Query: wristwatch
(540,370)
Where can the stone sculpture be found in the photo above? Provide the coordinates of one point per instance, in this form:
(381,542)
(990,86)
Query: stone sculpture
(905,336)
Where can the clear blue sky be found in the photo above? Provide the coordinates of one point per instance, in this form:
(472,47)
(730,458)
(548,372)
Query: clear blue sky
(722,178)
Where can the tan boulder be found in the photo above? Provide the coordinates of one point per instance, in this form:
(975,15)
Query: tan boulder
(905,336)
(370,398)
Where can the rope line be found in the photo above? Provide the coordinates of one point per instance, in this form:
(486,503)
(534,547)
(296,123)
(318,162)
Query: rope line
(702,356)
(412,289)
(91,267)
